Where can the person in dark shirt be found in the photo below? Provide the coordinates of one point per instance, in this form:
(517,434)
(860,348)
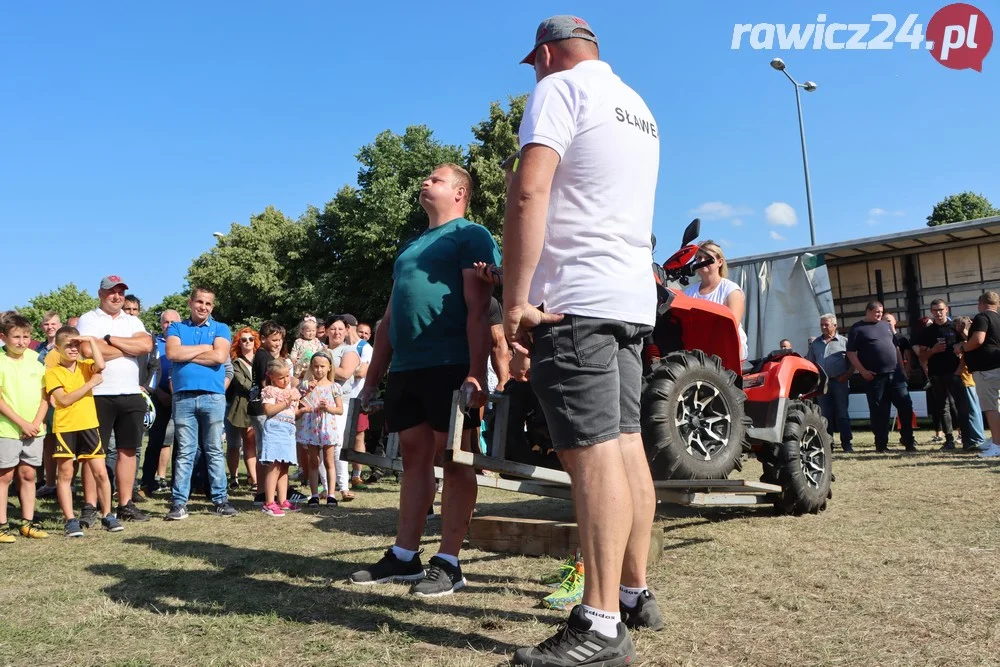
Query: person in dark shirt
(871,349)
(982,357)
(899,390)
(935,346)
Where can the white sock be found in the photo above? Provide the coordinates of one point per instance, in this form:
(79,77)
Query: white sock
(629,596)
(605,622)
(402,554)
(451,560)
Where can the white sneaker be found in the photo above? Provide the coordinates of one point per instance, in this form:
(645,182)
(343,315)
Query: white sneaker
(990,452)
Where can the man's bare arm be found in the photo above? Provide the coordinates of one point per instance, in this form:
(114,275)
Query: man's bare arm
(524,220)
(178,352)
(477,324)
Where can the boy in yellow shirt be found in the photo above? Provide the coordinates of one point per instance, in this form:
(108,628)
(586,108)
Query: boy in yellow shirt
(71,383)
(22,429)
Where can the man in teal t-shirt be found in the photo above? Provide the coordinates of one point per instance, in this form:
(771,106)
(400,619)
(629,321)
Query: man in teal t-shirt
(438,332)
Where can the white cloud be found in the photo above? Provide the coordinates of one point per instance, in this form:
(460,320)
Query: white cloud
(781,214)
(775,236)
(876,212)
(737,222)
(717,210)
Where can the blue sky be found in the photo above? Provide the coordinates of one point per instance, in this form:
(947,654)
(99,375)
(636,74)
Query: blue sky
(132,131)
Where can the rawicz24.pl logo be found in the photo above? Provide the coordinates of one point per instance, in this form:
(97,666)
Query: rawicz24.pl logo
(958,36)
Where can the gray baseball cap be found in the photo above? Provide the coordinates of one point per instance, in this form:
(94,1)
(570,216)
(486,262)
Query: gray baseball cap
(109,282)
(559,27)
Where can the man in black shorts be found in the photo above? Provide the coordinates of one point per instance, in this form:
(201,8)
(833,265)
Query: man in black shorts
(121,407)
(580,297)
(433,339)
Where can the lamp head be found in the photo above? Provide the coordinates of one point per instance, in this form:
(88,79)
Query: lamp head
(218,235)
(778,64)
(810,86)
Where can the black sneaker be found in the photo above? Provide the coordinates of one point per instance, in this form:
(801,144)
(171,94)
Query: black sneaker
(389,569)
(112,524)
(178,512)
(313,502)
(331,501)
(234,484)
(225,509)
(89,516)
(73,529)
(130,512)
(576,644)
(442,578)
(848,449)
(258,500)
(645,613)
(295,496)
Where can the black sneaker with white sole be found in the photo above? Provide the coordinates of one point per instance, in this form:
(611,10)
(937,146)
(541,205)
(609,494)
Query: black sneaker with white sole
(576,644)
(129,512)
(178,512)
(225,509)
(89,516)
(645,613)
(389,569)
(442,578)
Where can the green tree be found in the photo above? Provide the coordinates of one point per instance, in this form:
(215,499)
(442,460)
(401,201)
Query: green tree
(151,316)
(960,207)
(496,140)
(256,270)
(67,300)
(362,228)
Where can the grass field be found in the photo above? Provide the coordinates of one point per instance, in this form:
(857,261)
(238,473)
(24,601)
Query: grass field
(901,570)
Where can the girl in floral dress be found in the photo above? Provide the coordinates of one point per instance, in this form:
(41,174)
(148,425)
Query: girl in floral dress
(317,424)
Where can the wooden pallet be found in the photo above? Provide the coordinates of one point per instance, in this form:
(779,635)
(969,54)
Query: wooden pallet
(538,537)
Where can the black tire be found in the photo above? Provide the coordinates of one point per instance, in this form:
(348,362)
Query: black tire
(802,464)
(683,390)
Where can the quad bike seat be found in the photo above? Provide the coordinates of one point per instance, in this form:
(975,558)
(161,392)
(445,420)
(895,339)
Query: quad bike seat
(757,365)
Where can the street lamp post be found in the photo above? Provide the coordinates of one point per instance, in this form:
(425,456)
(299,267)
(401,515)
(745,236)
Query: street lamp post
(809,86)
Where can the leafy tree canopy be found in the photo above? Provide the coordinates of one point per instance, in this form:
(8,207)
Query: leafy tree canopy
(961,207)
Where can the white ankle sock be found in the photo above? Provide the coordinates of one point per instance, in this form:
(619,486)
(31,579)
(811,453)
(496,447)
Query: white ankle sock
(629,596)
(451,560)
(402,554)
(605,622)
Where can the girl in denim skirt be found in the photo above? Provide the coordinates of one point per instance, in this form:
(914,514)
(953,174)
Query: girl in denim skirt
(280,401)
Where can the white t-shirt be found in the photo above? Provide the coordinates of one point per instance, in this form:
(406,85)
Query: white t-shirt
(121,376)
(357,384)
(719,295)
(597,252)
(338,355)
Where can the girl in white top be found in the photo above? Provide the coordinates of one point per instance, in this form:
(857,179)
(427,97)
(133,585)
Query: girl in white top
(716,287)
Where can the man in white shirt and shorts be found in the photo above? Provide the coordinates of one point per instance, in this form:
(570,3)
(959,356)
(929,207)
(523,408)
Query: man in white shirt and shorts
(580,296)
(121,407)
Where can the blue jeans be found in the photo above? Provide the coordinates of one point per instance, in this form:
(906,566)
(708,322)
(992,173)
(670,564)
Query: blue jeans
(833,405)
(198,422)
(974,436)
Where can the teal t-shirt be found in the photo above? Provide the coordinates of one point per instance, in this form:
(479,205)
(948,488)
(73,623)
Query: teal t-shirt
(428,312)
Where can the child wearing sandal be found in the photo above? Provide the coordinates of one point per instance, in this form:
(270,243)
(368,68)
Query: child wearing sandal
(317,428)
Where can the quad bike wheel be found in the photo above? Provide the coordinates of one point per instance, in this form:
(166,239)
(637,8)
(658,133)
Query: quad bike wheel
(693,424)
(802,463)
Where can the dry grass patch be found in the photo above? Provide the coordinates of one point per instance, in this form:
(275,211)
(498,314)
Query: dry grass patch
(901,570)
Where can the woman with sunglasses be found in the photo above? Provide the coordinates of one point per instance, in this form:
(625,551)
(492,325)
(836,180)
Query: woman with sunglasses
(239,428)
(716,287)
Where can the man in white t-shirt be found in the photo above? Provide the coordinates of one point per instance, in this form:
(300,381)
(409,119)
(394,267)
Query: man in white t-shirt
(121,406)
(579,293)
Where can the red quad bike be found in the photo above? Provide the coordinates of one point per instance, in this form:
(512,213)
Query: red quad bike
(702,410)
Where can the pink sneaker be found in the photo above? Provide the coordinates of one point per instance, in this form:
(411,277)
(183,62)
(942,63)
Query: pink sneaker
(273,509)
(289,506)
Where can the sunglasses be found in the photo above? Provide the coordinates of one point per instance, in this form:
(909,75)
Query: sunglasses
(246,339)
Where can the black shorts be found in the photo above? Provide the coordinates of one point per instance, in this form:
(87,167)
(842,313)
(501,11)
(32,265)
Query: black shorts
(423,396)
(123,414)
(587,374)
(81,445)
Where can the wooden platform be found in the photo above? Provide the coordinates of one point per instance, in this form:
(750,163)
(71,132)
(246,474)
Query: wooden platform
(537,537)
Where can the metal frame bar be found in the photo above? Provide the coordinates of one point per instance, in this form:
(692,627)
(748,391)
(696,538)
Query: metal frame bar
(536,480)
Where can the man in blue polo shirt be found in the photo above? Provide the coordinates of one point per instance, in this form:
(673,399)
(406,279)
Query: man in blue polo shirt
(197,349)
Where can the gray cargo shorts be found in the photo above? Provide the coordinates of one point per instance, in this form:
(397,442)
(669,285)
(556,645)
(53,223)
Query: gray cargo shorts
(587,375)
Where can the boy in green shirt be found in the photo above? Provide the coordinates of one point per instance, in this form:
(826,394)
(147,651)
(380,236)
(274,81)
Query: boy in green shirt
(22,415)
